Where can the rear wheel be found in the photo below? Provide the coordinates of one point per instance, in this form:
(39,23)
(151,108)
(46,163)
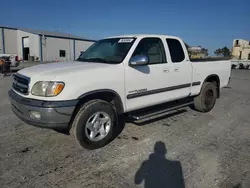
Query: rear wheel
(205,101)
(94,124)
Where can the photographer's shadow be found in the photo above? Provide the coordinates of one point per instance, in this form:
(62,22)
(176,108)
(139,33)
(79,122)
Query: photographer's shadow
(159,172)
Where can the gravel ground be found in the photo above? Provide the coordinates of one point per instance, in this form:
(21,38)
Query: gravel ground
(186,147)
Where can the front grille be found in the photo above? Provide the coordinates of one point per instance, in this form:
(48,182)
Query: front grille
(21,84)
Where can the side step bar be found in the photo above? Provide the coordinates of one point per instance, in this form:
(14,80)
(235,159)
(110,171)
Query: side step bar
(150,113)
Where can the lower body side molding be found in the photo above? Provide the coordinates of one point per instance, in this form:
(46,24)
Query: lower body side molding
(159,109)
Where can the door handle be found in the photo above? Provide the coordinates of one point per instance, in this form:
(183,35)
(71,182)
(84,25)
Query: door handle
(176,69)
(165,70)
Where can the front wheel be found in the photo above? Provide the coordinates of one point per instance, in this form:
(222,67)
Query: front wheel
(94,124)
(205,101)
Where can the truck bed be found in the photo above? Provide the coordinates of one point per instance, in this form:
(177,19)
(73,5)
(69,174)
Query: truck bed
(221,68)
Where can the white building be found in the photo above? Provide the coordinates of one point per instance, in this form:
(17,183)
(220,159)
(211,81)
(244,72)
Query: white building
(41,45)
(241,49)
(197,52)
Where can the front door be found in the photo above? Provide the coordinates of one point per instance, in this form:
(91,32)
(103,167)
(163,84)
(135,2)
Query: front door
(165,78)
(144,83)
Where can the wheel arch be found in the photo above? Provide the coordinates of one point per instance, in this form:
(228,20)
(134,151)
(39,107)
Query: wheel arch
(107,95)
(214,78)
(104,94)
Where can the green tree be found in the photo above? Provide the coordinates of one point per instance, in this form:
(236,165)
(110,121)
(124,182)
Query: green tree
(204,51)
(225,52)
(218,52)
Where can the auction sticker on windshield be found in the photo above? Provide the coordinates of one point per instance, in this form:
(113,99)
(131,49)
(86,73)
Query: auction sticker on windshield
(125,40)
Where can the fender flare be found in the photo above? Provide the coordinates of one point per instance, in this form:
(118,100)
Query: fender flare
(102,91)
(218,87)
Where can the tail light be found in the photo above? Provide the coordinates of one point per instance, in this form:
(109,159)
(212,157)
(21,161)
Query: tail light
(16,58)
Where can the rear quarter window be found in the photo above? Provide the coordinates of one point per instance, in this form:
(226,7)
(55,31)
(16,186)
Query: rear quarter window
(176,51)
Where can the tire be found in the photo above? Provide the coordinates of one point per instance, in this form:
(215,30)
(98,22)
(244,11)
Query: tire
(80,130)
(205,101)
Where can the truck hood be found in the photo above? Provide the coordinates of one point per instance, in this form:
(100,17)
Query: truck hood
(61,68)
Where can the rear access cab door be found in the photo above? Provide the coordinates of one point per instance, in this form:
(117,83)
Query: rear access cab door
(166,77)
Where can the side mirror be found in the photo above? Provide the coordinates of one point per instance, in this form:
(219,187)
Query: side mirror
(138,60)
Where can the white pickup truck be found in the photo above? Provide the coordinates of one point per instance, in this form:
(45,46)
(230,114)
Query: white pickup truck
(116,77)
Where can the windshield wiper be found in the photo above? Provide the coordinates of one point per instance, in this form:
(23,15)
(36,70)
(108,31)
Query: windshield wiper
(97,60)
(81,59)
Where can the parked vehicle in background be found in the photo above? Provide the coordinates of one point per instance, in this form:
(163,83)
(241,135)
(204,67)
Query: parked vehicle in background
(5,65)
(116,76)
(240,64)
(14,60)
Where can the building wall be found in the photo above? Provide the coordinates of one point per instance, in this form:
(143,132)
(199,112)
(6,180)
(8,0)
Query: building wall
(241,42)
(81,46)
(236,52)
(245,54)
(243,48)
(10,41)
(1,42)
(52,46)
(34,43)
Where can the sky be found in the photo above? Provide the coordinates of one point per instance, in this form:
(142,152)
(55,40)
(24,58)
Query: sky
(209,23)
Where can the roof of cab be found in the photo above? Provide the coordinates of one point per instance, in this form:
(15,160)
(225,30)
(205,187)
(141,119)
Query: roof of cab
(142,36)
(139,35)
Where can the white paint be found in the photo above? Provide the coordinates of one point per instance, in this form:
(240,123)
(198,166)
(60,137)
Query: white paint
(78,77)
(10,41)
(52,46)
(82,77)
(33,43)
(15,40)
(26,42)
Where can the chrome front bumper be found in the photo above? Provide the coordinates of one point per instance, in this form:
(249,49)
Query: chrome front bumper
(53,114)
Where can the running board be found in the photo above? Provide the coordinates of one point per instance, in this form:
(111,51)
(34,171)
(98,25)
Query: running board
(144,115)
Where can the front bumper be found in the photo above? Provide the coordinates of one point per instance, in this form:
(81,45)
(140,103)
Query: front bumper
(53,114)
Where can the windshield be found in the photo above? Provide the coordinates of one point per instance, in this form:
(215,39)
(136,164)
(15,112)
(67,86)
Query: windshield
(112,50)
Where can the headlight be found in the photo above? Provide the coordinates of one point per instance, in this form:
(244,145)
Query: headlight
(47,89)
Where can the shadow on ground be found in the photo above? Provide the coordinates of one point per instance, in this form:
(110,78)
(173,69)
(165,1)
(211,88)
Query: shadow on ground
(159,172)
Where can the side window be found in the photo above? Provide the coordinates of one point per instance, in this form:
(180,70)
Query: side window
(153,48)
(62,53)
(176,50)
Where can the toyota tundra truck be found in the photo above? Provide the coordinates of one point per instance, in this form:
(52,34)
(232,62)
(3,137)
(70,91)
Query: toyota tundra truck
(121,76)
